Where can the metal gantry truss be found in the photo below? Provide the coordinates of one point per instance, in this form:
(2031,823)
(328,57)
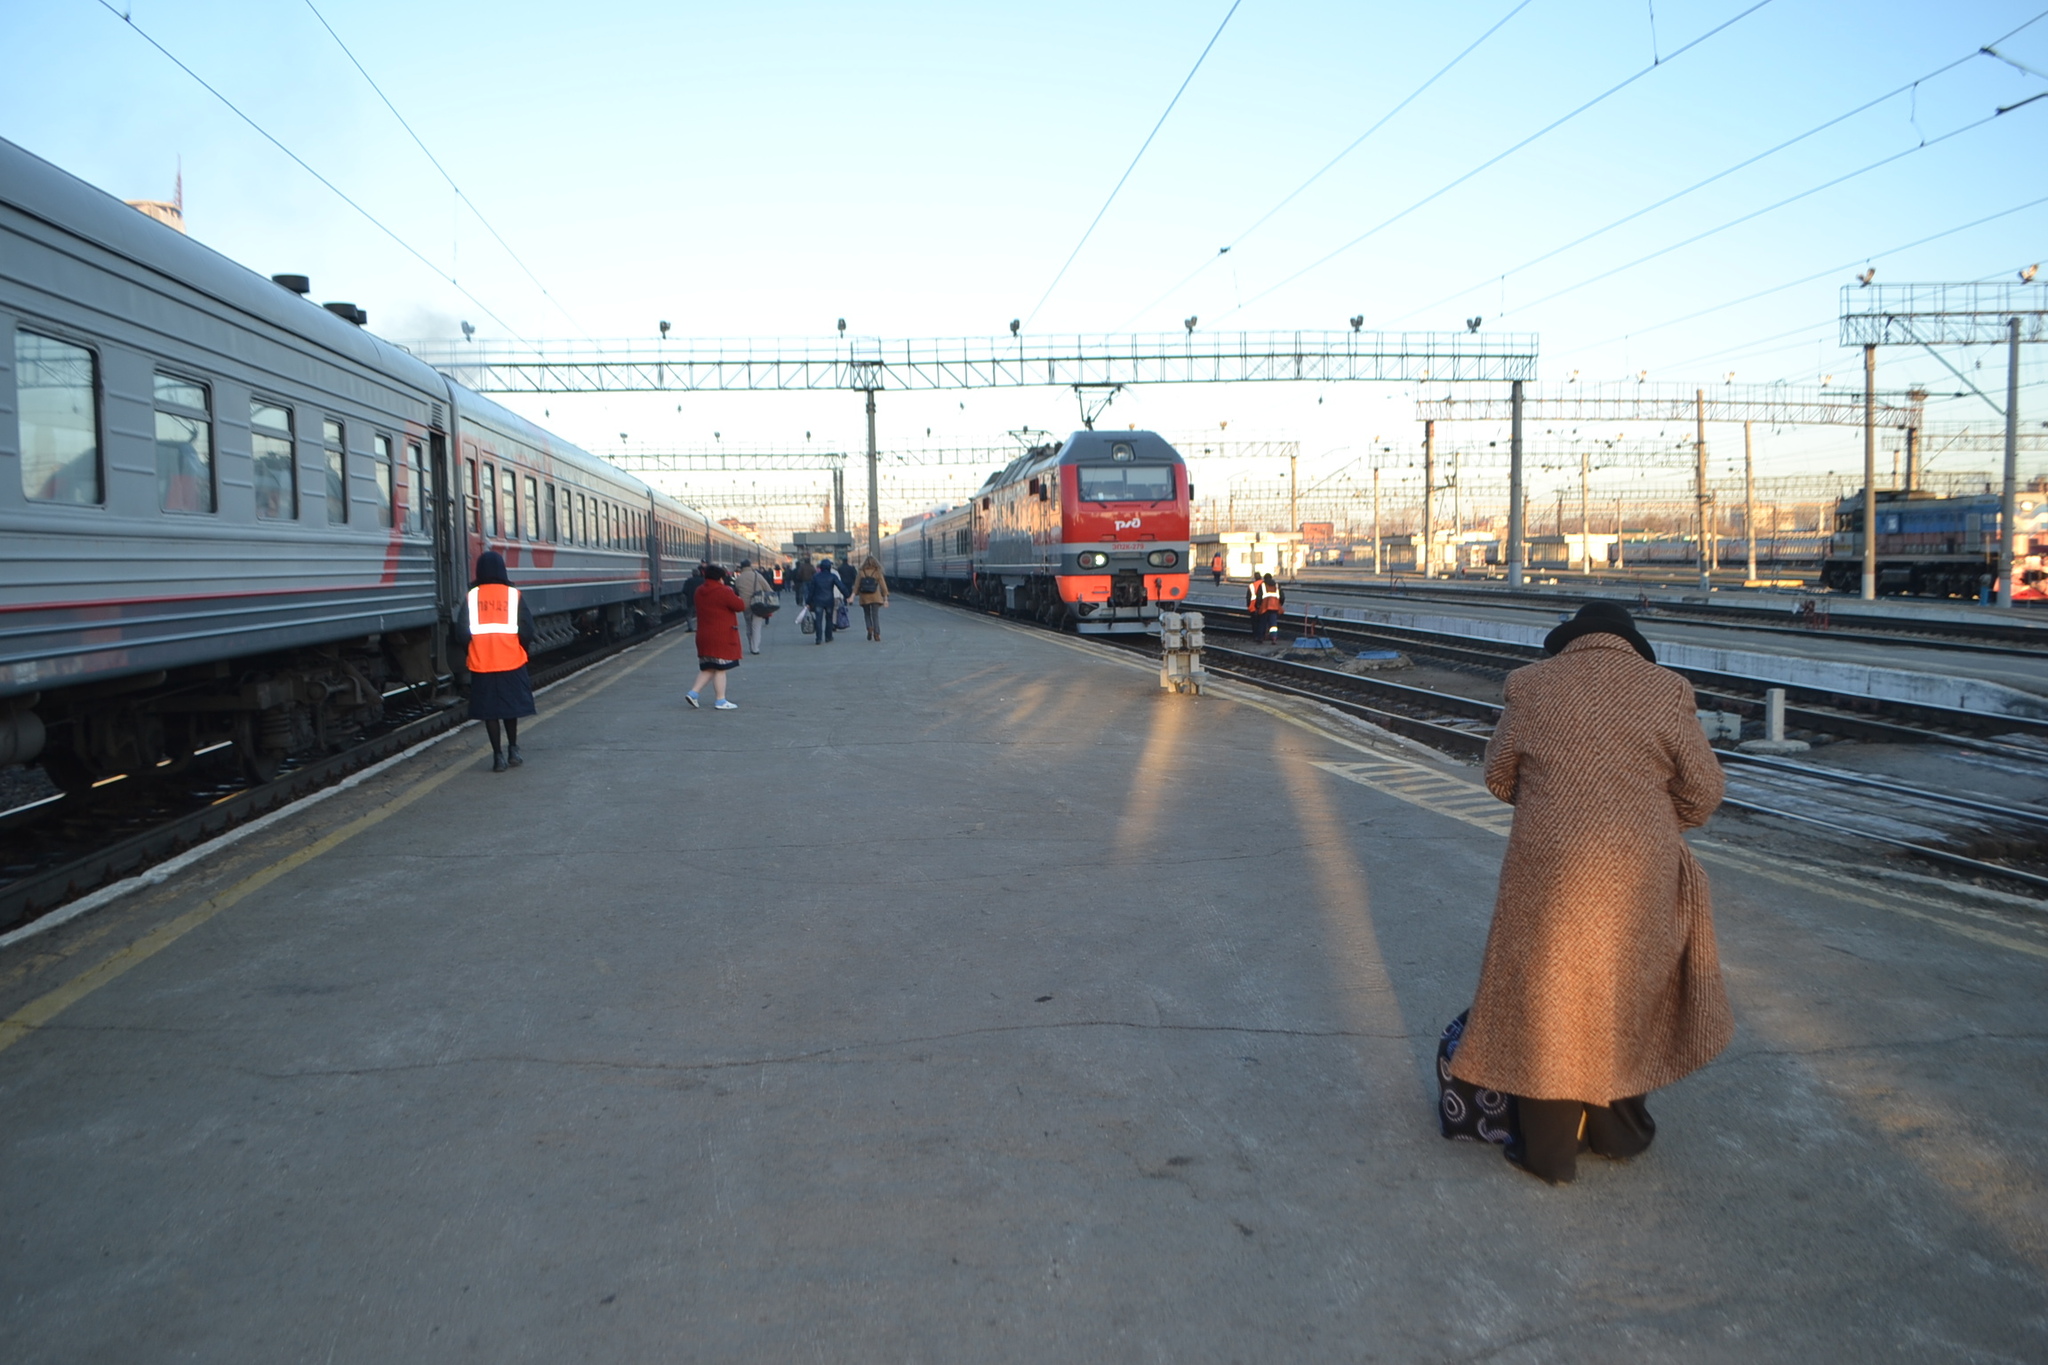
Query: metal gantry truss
(1931,315)
(1772,404)
(864,364)
(1085,363)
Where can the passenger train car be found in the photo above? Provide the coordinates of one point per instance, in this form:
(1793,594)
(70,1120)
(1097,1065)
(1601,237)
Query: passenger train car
(1089,533)
(230,514)
(1939,547)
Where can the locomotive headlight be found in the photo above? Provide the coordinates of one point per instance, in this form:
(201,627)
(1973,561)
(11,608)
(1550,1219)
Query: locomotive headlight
(1091,559)
(1163,559)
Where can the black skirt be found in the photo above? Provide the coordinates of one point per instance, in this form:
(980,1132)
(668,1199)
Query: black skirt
(500,696)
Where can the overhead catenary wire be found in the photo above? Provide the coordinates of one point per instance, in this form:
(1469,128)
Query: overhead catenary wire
(1782,203)
(1128,169)
(1743,164)
(338,192)
(1327,166)
(421,144)
(1501,156)
(1821,274)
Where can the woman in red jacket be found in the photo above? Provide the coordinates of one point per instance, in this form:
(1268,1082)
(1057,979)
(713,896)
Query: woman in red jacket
(718,636)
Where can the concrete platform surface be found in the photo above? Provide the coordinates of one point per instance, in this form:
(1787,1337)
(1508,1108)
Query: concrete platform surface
(964,997)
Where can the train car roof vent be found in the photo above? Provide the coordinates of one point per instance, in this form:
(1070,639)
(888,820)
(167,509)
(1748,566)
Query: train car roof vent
(298,284)
(347,312)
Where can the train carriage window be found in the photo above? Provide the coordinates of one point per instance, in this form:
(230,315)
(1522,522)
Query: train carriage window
(184,445)
(1127,483)
(334,437)
(58,416)
(508,502)
(549,504)
(532,508)
(380,447)
(419,495)
(487,500)
(277,466)
(582,519)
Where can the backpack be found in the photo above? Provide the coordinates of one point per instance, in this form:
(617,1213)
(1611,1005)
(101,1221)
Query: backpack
(868,584)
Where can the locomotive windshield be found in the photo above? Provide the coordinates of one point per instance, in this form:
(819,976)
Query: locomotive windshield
(1127,483)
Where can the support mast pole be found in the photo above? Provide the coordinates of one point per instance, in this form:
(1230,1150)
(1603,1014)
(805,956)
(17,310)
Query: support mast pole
(1429,499)
(1869,593)
(1749,492)
(1585,514)
(1700,493)
(1515,547)
(2008,502)
(874,496)
(1375,520)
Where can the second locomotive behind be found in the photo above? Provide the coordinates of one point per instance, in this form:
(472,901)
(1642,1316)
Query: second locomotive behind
(1089,534)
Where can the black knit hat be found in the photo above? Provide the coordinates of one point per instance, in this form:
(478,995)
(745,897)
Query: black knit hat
(1599,618)
(490,568)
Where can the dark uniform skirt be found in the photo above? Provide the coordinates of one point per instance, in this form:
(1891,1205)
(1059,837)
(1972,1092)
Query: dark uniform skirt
(500,696)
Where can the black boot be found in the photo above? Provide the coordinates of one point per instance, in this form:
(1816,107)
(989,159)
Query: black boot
(512,758)
(498,763)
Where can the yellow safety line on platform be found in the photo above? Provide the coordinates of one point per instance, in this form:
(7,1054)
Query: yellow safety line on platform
(1474,805)
(43,1009)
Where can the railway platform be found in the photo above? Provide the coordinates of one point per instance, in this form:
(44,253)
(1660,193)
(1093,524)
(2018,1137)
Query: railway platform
(967,997)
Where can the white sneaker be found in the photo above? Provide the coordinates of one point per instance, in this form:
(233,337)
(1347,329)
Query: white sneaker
(723,705)
(690,697)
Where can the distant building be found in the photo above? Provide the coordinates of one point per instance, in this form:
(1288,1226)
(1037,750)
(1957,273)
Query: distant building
(170,215)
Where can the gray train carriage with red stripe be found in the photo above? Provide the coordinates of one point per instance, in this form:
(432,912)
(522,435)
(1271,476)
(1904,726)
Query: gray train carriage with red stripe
(229,515)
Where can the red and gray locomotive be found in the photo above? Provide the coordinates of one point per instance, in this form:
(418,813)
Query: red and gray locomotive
(1089,534)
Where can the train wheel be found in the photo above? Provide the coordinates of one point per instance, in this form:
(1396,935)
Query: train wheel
(67,771)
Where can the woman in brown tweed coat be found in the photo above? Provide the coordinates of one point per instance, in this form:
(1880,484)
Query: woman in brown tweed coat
(1601,980)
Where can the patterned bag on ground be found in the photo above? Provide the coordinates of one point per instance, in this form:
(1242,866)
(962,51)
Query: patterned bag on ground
(1465,1112)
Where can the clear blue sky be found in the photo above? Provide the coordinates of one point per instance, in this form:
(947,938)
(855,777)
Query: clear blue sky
(923,170)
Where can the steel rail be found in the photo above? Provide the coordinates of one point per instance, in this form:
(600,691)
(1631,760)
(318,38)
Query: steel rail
(1720,617)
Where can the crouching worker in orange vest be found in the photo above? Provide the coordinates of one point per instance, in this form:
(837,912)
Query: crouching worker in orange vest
(496,627)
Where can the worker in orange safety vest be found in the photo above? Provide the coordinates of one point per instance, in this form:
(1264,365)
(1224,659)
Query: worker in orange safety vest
(495,629)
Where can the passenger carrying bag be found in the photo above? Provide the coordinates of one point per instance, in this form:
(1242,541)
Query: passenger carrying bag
(1464,1112)
(841,621)
(867,584)
(806,622)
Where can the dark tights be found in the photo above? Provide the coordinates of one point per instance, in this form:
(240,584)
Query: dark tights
(511,733)
(1553,1132)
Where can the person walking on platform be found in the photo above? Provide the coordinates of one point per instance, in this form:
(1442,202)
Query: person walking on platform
(1216,565)
(1601,979)
(759,594)
(495,630)
(872,588)
(822,597)
(718,636)
(690,586)
(801,576)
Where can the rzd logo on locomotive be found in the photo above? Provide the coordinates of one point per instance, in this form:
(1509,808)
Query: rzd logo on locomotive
(1133,524)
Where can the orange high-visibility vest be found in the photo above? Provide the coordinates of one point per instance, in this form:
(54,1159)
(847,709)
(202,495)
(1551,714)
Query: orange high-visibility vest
(1257,593)
(494,629)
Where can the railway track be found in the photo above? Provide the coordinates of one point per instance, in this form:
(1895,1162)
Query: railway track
(1850,806)
(2017,639)
(54,851)
(1807,709)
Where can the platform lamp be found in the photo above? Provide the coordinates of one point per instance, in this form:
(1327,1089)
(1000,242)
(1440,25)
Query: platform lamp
(1014,325)
(664,330)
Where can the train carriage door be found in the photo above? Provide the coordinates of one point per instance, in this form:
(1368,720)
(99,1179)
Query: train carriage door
(651,547)
(450,546)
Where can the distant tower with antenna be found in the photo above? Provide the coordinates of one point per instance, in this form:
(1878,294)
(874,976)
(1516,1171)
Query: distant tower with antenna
(172,214)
